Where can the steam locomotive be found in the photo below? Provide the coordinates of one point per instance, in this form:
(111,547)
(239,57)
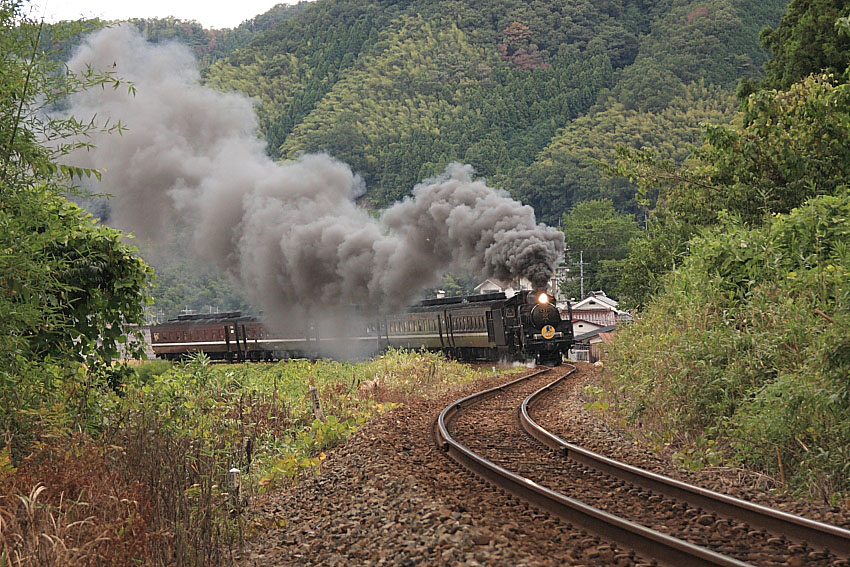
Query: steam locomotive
(487,327)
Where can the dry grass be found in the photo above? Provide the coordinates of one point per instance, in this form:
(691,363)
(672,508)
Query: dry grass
(65,505)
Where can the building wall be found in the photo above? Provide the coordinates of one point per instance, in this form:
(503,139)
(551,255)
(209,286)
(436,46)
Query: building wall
(582,327)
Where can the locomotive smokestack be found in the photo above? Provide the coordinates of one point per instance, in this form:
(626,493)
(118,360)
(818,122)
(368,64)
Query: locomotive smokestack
(288,233)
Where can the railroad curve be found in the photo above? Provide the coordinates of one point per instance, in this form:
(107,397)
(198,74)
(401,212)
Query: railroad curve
(616,501)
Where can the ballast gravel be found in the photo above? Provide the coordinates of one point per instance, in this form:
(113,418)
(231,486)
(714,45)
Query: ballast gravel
(565,415)
(390,496)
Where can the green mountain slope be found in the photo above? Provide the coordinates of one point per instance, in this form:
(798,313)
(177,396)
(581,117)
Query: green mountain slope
(684,75)
(398,89)
(432,96)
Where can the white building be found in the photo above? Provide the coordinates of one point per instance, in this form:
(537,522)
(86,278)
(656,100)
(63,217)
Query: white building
(492,285)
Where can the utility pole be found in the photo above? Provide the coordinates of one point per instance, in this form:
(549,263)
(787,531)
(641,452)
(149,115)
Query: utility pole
(581,271)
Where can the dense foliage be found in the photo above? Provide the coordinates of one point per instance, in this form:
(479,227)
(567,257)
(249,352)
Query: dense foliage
(743,355)
(210,45)
(806,42)
(597,239)
(791,147)
(69,288)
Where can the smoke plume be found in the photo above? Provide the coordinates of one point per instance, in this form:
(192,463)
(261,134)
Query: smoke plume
(288,233)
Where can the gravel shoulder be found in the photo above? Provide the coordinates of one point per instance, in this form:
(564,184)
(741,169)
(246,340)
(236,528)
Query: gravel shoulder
(389,496)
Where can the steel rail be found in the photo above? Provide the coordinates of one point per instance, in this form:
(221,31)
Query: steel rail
(814,533)
(665,549)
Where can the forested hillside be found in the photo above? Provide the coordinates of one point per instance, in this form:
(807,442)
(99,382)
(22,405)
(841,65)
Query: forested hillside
(528,93)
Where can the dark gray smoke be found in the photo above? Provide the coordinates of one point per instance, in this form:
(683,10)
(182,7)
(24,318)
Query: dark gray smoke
(289,233)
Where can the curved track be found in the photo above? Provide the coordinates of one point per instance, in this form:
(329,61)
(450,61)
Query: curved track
(615,501)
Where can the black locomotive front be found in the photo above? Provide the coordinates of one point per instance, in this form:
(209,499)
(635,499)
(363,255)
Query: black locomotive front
(540,333)
(526,326)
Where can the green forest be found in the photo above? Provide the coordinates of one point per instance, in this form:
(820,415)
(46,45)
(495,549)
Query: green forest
(530,93)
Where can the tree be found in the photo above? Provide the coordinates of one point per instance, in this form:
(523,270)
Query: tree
(806,42)
(789,149)
(598,237)
(69,288)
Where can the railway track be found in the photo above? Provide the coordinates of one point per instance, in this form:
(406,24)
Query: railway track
(655,518)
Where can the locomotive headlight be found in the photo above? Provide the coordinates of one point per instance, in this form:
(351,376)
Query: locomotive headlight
(543,298)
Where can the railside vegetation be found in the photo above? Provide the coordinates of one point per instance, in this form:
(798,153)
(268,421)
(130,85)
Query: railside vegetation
(739,355)
(169,464)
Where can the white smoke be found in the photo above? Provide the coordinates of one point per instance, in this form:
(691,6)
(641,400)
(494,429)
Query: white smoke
(289,233)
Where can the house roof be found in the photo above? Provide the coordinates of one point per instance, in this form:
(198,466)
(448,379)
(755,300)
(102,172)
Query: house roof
(597,300)
(606,337)
(498,283)
(595,332)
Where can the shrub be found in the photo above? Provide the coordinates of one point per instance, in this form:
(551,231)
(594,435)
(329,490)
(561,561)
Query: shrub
(747,347)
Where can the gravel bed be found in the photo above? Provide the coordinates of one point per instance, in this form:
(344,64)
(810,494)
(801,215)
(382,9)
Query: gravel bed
(389,496)
(568,418)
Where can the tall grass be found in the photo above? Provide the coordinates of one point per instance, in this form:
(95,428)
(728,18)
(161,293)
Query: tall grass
(174,461)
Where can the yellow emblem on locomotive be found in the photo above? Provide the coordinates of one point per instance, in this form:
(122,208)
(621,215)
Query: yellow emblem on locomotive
(548,332)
